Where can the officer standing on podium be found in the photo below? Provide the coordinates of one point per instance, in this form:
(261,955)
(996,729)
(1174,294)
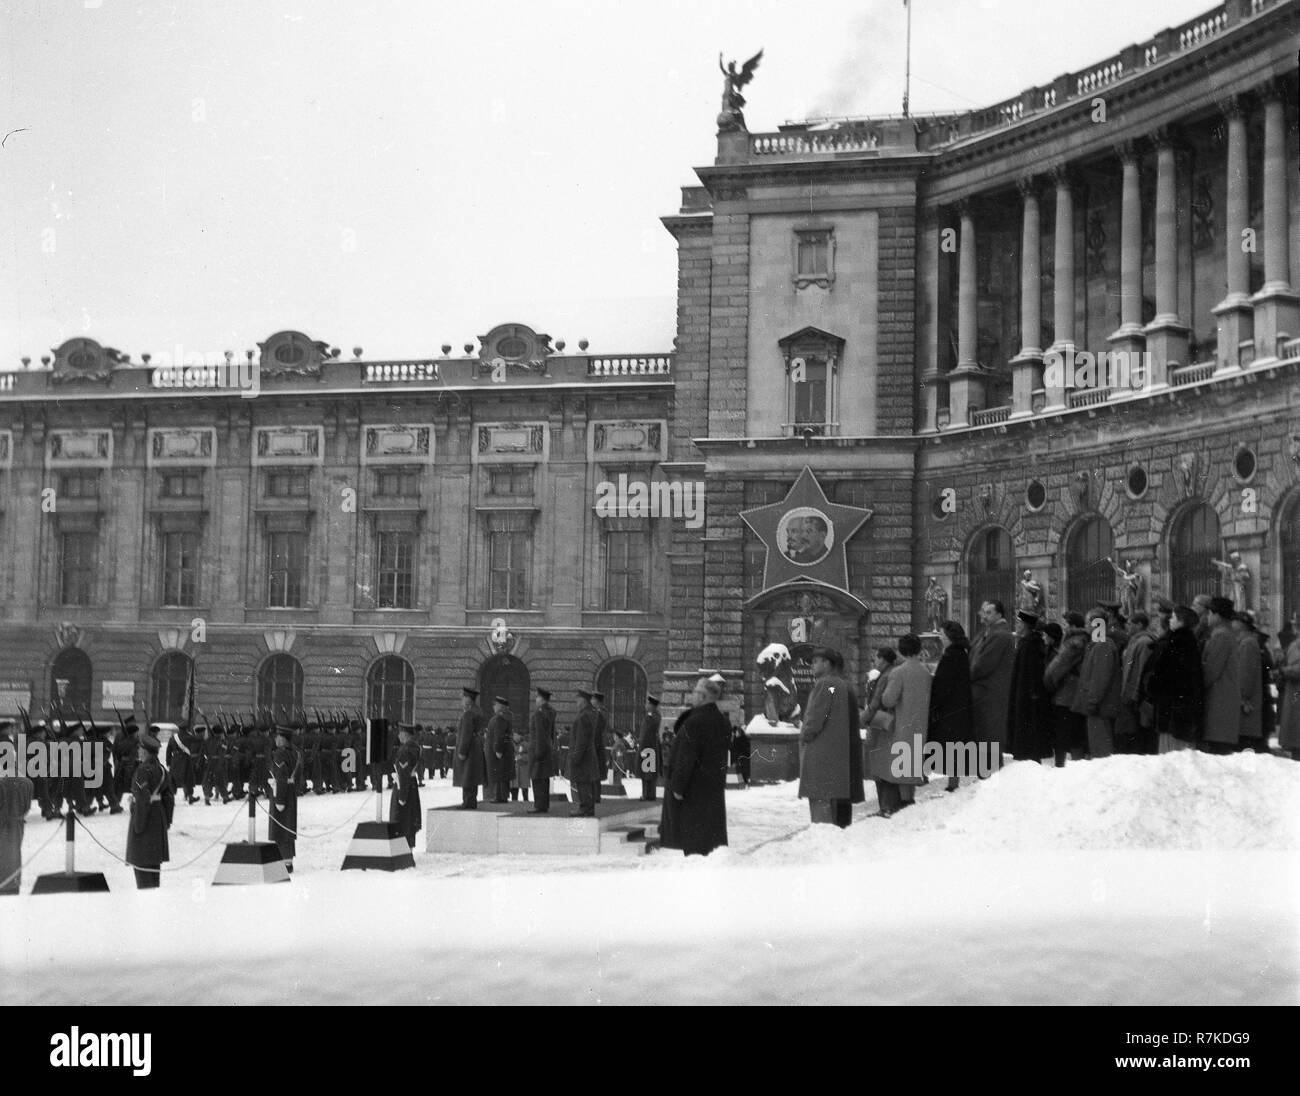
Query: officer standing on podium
(541,751)
(467,764)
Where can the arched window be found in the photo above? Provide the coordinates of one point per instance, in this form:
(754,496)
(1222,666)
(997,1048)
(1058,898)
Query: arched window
(1089,579)
(390,690)
(168,681)
(1193,544)
(279,685)
(1290,537)
(70,680)
(624,684)
(991,566)
(507,676)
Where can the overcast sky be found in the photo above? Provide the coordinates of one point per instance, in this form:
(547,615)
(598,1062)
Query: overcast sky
(399,175)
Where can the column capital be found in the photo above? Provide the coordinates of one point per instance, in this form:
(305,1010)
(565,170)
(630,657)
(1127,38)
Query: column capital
(1275,88)
(1234,106)
(1170,136)
(1062,177)
(965,207)
(1128,152)
(1028,186)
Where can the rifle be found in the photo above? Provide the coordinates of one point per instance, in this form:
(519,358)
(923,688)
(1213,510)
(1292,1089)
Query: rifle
(27,723)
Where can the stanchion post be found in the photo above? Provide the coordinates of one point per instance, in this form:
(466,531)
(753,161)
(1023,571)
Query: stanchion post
(252,816)
(70,845)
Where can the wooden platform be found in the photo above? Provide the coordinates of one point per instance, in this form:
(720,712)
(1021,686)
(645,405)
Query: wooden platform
(625,827)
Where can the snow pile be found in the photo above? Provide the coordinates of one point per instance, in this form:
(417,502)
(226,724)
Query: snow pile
(1184,800)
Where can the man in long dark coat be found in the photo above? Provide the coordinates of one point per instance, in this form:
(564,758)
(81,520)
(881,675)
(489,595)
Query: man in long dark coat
(584,774)
(648,749)
(699,781)
(500,750)
(214,766)
(285,772)
(404,804)
(152,805)
(830,737)
(1027,711)
(602,743)
(991,658)
(951,708)
(1220,674)
(467,765)
(541,753)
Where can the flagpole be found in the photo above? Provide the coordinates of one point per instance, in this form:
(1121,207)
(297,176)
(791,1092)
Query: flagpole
(907,77)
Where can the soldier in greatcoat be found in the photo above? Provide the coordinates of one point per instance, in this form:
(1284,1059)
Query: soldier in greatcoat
(404,804)
(285,773)
(1223,700)
(152,805)
(467,765)
(541,752)
(647,761)
(214,765)
(584,773)
(500,750)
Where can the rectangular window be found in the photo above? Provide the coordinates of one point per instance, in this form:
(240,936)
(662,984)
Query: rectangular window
(76,568)
(286,569)
(810,396)
(626,556)
(395,578)
(182,485)
(814,254)
(512,482)
(180,568)
(509,555)
(397,482)
(284,483)
(79,485)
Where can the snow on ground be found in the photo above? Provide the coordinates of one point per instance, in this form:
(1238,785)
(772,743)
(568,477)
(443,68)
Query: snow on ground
(1129,880)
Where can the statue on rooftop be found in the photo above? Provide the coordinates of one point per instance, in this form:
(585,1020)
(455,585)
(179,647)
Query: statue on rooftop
(733,102)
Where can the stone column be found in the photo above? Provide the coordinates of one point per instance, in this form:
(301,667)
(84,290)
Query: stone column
(1235,314)
(1060,355)
(1128,339)
(1166,333)
(1026,366)
(1277,306)
(966,385)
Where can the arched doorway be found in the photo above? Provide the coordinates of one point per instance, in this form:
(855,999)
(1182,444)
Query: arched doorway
(624,684)
(1089,578)
(70,677)
(1193,543)
(390,690)
(279,686)
(167,684)
(991,571)
(507,676)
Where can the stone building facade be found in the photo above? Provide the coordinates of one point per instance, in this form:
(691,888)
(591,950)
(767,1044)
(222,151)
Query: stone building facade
(908,307)
(895,371)
(360,535)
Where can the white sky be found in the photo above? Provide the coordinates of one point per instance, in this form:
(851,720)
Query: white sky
(399,175)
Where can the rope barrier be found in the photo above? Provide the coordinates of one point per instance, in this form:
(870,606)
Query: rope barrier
(177,867)
(313,836)
(32,859)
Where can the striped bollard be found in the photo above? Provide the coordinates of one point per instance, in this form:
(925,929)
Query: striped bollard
(251,862)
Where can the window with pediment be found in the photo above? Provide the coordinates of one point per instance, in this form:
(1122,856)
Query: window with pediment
(812,358)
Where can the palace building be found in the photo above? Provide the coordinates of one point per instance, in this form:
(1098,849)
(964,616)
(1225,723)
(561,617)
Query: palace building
(882,376)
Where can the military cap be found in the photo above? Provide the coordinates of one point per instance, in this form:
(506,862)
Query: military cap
(1164,605)
(545,694)
(501,700)
(598,696)
(471,693)
(150,743)
(282,729)
(828,653)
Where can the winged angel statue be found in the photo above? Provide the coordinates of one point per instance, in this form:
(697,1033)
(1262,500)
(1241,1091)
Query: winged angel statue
(732,101)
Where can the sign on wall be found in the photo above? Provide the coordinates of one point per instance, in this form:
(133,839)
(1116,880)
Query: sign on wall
(119,694)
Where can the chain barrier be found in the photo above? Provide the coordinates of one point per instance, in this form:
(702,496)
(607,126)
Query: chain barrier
(178,867)
(322,833)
